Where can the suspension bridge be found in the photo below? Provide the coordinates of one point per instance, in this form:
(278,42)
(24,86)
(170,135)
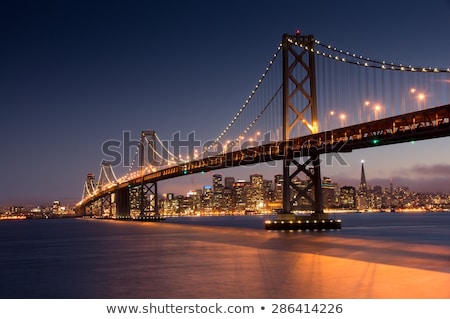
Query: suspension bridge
(311,99)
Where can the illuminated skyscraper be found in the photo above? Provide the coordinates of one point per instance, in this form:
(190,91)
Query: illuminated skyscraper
(217,191)
(362,203)
(217,182)
(240,188)
(347,197)
(278,187)
(363,184)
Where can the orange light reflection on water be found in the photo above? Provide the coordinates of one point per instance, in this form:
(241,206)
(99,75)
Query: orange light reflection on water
(220,262)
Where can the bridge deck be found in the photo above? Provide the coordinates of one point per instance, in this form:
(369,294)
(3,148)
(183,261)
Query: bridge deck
(420,125)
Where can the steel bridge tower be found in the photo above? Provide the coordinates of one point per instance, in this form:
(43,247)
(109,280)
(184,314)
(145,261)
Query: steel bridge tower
(300,108)
(148,191)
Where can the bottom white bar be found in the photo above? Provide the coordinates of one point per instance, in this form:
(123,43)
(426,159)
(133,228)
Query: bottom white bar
(221,308)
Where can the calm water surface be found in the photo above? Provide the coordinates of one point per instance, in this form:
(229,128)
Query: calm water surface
(379,255)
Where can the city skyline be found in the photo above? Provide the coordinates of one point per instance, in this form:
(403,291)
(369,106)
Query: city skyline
(185,189)
(365,196)
(73,78)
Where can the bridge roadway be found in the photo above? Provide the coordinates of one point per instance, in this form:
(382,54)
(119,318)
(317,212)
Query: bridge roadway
(419,125)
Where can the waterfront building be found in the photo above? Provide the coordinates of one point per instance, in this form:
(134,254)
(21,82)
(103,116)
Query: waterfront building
(170,204)
(217,191)
(229,182)
(347,197)
(194,201)
(329,192)
(228,199)
(207,197)
(278,188)
(240,187)
(267,190)
(254,193)
(229,194)
(56,207)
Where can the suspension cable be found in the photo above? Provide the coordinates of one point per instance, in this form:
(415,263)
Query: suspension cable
(247,101)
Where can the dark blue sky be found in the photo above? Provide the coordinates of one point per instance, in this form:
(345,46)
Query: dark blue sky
(74,74)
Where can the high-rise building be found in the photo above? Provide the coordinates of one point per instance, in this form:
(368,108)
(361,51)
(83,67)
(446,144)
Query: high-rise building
(256,180)
(363,202)
(347,197)
(255,198)
(229,181)
(267,190)
(195,200)
(217,182)
(278,187)
(329,190)
(217,191)
(363,184)
(229,194)
(240,188)
(207,197)
(228,198)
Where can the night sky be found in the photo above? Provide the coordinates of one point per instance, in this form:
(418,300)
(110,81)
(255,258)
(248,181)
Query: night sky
(74,74)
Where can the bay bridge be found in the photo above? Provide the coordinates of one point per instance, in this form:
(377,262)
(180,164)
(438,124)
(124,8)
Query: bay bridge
(311,99)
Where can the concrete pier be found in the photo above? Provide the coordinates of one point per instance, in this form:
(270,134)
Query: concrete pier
(289,221)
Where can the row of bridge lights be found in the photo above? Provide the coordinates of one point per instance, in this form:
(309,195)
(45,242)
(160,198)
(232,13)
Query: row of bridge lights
(365,61)
(181,159)
(141,172)
(377,108)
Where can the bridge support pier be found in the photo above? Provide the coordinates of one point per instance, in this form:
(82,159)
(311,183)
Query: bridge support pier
(148,202)
(305,198)
(313,184)
(89,209)
(106,206)
(123,203)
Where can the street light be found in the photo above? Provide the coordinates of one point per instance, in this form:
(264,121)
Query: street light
(421,97)
(411,91)
(342,117)
(366,104)
(328,123)
(377,109)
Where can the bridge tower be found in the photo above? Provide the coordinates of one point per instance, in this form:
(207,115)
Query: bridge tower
(88,189)
(107,204)
(148,191)
(300,108)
